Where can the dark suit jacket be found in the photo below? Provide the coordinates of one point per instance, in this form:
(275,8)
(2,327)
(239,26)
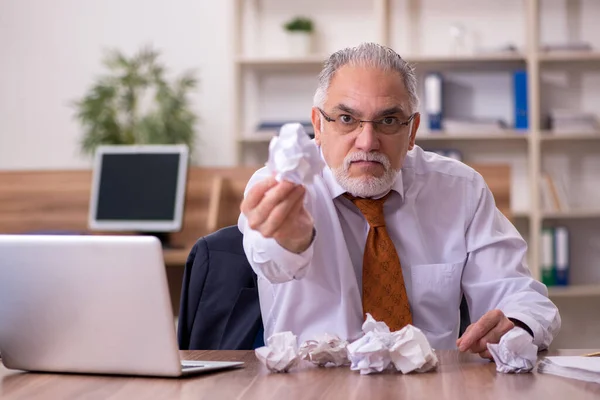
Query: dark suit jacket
(219,307)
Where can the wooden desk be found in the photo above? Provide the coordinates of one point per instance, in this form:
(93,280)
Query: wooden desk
(459,376)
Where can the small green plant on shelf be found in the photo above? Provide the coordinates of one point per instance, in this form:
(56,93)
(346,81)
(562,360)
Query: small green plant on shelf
(299,24)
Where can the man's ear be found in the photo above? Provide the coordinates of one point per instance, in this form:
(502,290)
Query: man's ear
(414,128)
(315,118)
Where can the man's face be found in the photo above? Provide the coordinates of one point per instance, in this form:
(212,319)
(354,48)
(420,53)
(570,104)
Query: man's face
(366,159)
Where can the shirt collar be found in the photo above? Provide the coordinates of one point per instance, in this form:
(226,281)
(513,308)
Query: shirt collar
(335,190)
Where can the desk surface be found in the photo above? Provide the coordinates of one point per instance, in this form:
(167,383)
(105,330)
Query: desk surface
(459,376)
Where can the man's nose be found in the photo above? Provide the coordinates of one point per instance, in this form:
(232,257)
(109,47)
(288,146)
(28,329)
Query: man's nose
(367,139)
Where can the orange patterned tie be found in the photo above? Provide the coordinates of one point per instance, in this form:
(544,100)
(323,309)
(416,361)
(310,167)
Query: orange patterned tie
(384,294)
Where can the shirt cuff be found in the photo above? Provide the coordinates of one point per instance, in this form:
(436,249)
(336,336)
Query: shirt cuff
(532,324)
(291,265)
(521,325)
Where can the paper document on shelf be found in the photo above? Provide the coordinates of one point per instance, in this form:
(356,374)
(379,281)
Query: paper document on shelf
(581,368)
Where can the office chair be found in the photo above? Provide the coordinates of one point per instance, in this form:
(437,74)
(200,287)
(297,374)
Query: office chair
(219,307)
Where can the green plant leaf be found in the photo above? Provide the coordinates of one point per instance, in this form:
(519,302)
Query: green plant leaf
(133,103)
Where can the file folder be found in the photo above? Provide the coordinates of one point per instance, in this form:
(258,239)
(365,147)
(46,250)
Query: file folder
(433,100)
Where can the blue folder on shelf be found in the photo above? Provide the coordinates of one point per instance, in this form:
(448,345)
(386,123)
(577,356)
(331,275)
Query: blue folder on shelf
(521,100)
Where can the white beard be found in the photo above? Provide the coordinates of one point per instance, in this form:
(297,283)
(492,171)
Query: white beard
(365,186)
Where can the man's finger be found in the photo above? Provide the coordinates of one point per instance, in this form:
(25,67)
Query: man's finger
(279,193)
(486,354)
(493,336)
(480,329)
(460,339)
(282,211)
(256,194)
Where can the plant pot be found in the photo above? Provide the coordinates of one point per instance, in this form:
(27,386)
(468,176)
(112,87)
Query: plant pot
(300,43)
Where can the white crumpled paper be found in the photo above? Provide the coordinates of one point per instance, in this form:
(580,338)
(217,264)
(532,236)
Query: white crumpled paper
(411,351)
(325,350)
(293,156)
(407,350)
(280,353)
(515,353)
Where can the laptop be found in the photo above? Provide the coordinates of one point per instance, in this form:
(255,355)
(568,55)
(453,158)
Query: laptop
(89,304)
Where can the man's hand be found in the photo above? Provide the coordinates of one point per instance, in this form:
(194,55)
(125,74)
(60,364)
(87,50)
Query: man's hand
(276,210)
(489,329)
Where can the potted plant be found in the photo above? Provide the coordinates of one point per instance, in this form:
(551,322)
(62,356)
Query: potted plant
(300,35)
(135,104)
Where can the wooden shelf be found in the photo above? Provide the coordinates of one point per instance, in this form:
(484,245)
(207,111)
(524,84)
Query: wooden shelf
(318,59)
(574,290)
(549,136)
(571,214)
(508,135)
(272,61)
(476,58)
(567,56)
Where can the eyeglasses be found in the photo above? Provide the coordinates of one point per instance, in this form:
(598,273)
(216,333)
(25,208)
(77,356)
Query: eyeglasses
(346,123)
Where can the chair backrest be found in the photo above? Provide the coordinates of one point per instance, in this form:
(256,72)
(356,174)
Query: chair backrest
(219,307)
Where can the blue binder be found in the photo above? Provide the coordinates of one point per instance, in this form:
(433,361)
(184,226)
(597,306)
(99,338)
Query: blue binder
(521,103)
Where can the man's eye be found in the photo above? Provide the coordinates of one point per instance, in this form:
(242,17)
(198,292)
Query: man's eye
(346,119)
(389,121)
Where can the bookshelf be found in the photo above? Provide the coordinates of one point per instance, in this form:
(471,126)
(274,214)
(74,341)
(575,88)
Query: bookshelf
(418,30)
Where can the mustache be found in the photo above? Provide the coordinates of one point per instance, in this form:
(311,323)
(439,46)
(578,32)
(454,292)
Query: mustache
(364,156)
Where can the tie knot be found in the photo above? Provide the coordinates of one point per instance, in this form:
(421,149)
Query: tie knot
(372,209)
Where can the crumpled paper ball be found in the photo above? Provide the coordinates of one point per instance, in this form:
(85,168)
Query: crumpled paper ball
(515,353)
(280,352)
(407,350)
(411,351)
(293,156)
(325,350)
(370,353)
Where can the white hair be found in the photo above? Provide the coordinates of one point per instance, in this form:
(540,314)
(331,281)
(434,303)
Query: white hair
(371,55)
(366,186)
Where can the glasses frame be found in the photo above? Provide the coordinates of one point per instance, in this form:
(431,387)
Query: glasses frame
(374,122)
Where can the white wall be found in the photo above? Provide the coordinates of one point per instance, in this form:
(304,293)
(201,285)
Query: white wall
(50,52)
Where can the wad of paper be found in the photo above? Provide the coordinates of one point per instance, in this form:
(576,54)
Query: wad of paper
(293,156)
(515,353)
(325,351)
(574,367)
(406,350)
(280,353)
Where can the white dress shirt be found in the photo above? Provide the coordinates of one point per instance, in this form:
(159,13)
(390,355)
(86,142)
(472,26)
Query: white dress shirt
(450,238)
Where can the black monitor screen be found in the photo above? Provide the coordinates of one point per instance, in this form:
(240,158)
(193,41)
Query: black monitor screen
(138,187)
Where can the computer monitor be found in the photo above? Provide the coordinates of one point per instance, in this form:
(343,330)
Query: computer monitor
(139,188)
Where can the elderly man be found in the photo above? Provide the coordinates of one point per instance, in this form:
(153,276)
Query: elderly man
(386,228)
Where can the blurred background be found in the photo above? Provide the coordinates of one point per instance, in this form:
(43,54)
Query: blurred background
(512,82)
